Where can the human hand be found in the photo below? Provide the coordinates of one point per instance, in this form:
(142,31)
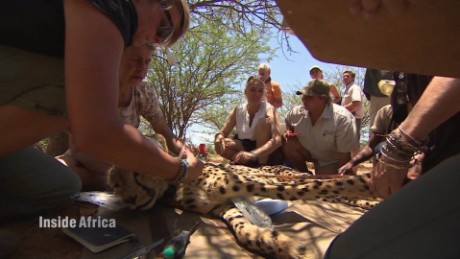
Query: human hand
(368,8)
(195,166)
(386,179)
(416,170)
(346,168)
(185,151)
(289,134)
(219,145)
(243,158)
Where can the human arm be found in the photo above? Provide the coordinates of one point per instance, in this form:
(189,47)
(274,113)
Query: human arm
(364,154)
(290,131)
(353,106)
(262,152)
(356,96)
(223,133)
(147,104)
(159,126)
(92,60)
(335,93)
(277,95)
(437,104)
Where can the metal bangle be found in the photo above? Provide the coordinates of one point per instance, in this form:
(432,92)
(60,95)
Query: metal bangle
(415,142)
(392,166)
(183,170)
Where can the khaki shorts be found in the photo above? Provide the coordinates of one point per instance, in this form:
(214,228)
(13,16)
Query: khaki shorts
(32,81)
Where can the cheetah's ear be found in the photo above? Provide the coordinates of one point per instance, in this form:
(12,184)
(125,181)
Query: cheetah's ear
(115,177)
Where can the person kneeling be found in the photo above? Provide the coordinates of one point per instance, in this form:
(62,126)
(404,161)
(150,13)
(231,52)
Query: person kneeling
(319,131)
(256,115)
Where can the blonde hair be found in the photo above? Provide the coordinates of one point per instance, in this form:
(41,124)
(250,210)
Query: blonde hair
(183,7)
(254,80)
(264,66)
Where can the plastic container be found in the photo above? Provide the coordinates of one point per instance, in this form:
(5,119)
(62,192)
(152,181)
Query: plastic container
(252,212)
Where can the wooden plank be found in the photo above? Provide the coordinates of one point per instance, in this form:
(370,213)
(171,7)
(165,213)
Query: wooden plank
(425,40)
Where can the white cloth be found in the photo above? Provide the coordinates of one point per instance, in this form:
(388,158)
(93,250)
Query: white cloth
(354,93)
(333,134)
(243,129)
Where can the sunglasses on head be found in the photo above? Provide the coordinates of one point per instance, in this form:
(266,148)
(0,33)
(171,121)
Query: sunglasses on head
(165,32)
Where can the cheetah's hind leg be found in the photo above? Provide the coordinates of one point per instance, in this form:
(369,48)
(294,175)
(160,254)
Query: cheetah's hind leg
(266,242)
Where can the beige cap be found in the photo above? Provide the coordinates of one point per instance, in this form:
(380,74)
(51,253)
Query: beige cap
(315,67)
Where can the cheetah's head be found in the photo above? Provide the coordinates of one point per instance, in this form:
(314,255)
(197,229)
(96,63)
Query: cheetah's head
(138,191)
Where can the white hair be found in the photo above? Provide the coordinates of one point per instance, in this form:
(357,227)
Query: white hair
(264,66)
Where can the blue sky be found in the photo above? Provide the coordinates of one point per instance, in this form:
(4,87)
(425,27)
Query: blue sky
(291,69)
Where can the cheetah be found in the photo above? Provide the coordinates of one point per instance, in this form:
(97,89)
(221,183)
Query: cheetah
(211,194)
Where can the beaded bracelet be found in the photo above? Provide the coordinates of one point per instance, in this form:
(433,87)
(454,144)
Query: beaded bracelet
(183,170)
(410,139)
(388,159)
(391,165)
(400,146)
(390,149)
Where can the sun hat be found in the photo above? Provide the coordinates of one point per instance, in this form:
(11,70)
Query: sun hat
(315,68)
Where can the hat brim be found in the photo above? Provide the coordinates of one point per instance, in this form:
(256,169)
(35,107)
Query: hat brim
(302,92)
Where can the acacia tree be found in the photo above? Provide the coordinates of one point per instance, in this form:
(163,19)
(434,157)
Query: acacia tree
(240,16)
(237,16)
(212,60)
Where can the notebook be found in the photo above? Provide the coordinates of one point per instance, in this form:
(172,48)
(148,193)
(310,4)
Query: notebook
(98,239)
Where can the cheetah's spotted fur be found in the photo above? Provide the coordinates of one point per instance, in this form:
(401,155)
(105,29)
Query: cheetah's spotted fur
(211,192)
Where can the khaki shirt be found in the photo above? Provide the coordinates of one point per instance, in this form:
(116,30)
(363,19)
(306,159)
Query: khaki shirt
(333,134)
(382,120)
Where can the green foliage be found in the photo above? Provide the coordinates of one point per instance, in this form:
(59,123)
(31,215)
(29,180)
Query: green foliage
(42,145)
(238,16)
(211,61)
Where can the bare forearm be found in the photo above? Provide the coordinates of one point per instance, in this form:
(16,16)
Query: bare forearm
(344,158)
(439,102)
(352,106)
(160,127)
(365,154)
(126,147)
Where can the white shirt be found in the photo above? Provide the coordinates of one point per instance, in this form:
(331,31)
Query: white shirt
(354,93)
(334,132)
(243,129)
